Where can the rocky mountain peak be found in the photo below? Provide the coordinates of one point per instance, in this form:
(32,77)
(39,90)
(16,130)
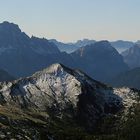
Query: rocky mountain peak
(53,69)
(43,46)
(101,58)
(33,53)
(104,44)
(84,42)
(61,86)
(9,26)
(96,48)
(66,94)
(56,68)
(11,36)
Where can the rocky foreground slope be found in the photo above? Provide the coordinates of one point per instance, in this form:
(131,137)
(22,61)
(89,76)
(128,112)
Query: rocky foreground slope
(60,103)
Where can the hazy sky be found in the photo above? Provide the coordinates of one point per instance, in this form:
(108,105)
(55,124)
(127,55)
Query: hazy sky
(70,20)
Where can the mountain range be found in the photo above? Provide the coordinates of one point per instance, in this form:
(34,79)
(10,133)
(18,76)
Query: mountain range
(129,78)
(22,55)
(65,47)
(51,90)
(100,60)
(71,47)
(61,103)
(119,45)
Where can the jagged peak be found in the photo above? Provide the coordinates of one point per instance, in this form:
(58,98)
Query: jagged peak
(55,67)
(103,43)
(37,38)
(100,46)
(9,25)
(60,70)
(52,69)
(84,40)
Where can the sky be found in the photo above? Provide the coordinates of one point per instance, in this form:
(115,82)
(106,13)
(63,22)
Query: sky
(71,20)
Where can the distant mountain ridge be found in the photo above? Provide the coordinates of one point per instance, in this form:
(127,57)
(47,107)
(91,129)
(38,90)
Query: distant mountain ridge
(100,60)
(119,45)
(22,55)
(84,42)
(132,56)
(71,47)
(64,47)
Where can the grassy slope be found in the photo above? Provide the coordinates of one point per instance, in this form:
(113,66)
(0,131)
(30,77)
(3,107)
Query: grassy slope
(15,123)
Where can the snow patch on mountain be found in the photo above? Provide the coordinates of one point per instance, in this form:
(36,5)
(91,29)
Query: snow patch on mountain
(129,97)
